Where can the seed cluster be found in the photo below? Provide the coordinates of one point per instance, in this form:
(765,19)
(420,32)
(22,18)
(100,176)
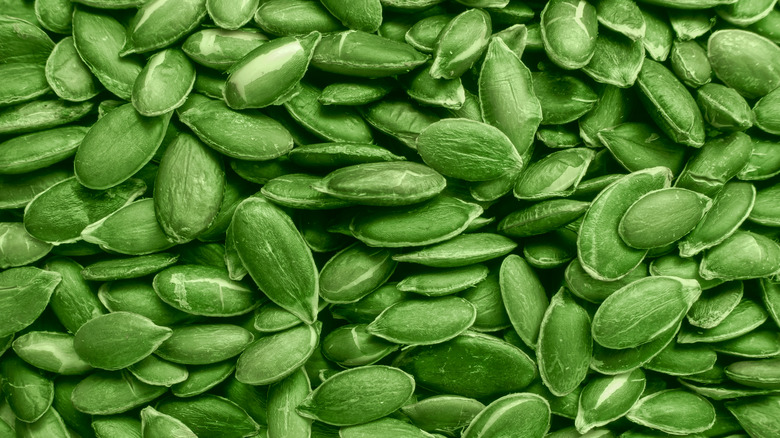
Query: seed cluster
(389,218)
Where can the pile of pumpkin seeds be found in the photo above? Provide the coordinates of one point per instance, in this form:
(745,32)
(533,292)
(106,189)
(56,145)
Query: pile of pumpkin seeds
(389,218)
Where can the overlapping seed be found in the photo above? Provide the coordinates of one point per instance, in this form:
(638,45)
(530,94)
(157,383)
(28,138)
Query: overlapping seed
(389,218)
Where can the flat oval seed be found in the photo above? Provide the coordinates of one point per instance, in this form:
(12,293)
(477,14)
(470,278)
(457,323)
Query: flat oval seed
(581,284)
(443,413)
(555,175)
(757,344)
(355,93)
(745,317)
(440,282)
(542,217)
(424,34)
(765,210)
(204,344)
(745,61)
(133,230)
(295,17)
(331,123)
(617,60)
(135,296)
(164,83)
(469,150)
(682,360)
(418,322)
(155,423)
(22,83)
(611,361)
(389,183)
(744,255)
(524,297)
(759,416)
(270,318)
(670,104)
(755,373)
(274,357)
(283,397)
(284,62)
(365,15)
(204,290)
(25,42)
(459,251)
(108,393)
(117,146)
(600,250)
(18,190)
(24,293)
(50,351)
(18,247)
(67,75)
(231,15)
(352,345)
(639,146)
(128,267)
(648,223)
(202,378)
(159,23)
(714,306)
(724,108)
(219,48)
(677,412)
(98,39)
(400,119)
(604,399)
(356,53)
(624,17)
(564,98)
(27,391)
(116,425)
(643,310)
(29,152)
(569,30)
(285,271)
(472,365)
(527,415)
(295,190)
(770,295)
(460,44)
(384,428)
(355,272)
(358,395)
(447,93)
(50,424)
(158,372)
(610,110)
(242,135)
(716,163)
(210,416)
(76,207)
(117,340)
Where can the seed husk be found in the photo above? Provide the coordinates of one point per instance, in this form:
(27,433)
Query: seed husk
(210,416)
(27,391)
(745,317)
(204,290)
(424,322)
(108,393)
(443,413)
(674,411)
(204,344)
(596,409)
(258,364)
(25,293)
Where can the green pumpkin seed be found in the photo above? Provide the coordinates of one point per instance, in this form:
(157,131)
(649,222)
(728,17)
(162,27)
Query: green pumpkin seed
(601,251)
(210,416)
(658,35)
(219,48)
(155,423)
(726,391)
(296,190)
(757,344)
(569,30)
(565,406)
(17,191)
(270,318)
(50,351)
(202,378)
(22,83)
(443,413)
(384,428)
(159,23)
(25,293)
(112,4)
(74,301)
(128,267)
(77,208)
(755,373)
(690,24)
(744,13)
(155,371)
(116,425)
(107,393)
(551,250)
(460,44)
(131,230)
(204,344)
(365,15)
(98,39)
(50,424)
(621,16)
(724,108)
(610,110)
(400,119)
(18,247)
(627,319)
(355,93)
(466,149)
(352,345)
(384,183)
(28,392)
(770,295)
(29,152)
(355,272)
(284,62)
(134,296)
(202,290)
(253,399)
(525,414)
(524,298)
(617,60)
(581,284)
(25,42)
(555,175)
(681,360)
(294,17)
(358,395)
(42,114)
(338,154)
(447,93)
(758,416)
(459,251)
(745,317)
(639,146)
(643,227)
(117,340)
(369,307)
(764,162)
(434,283)
(418,322)
(332,123)
(231,15)
(767,26)
(670,105)
(471,365)
(233,133)
(732,50)
(424,34)
(542,217)
(283,397)
(163,84)
(261,363)
(133,140)
(764,210)
(606,398)
(564,98)
(257,220)
(357,53)
(558,137)
(712,308)
(674,411)
(67,75)
(744,255)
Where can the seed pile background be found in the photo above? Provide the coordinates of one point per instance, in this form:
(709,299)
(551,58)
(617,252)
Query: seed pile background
(389,218)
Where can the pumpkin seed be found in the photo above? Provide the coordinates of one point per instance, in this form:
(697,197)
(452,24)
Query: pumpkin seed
(17,191)
(569,31)
(67,75)
(204,344)
(424,34)
(369,307)
(443,413)
(745,317)
(27,391)
(358,395)
(738,257)
(460,44)
(730,50)
(116,425)
(564,98)
(41,149)
(764,211)
(134,296)
(643,310)
(25,293)
(555,175)
(357,53)
(202,290)
(758,416)
(107,393)
(551,250)
(611,109)
(22,83)
(155,371)
(755,373)
(447,93)
(565,346)
(332,123)
(384,428)
(617,60)
(471,365)
(352,345)
(50,351)
(128,267)
(690,64)
(164,83)
(462,250)
(258,366)
(257,220)
(542,217)
(527,414)
(131,230)
(155,423)
(354,272)
(219,48)
(757,344)
(210,416)
(158,23)
(770,295)
(623,17)
(202,378)
(606,398)
(418,322)
(690,24)
(25,41)
(681,360)
(283,397)
(524,298)
(399,118)
(294,17)
(18,247)
(231,15)
(434,283)
(639,146)
(50,424)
